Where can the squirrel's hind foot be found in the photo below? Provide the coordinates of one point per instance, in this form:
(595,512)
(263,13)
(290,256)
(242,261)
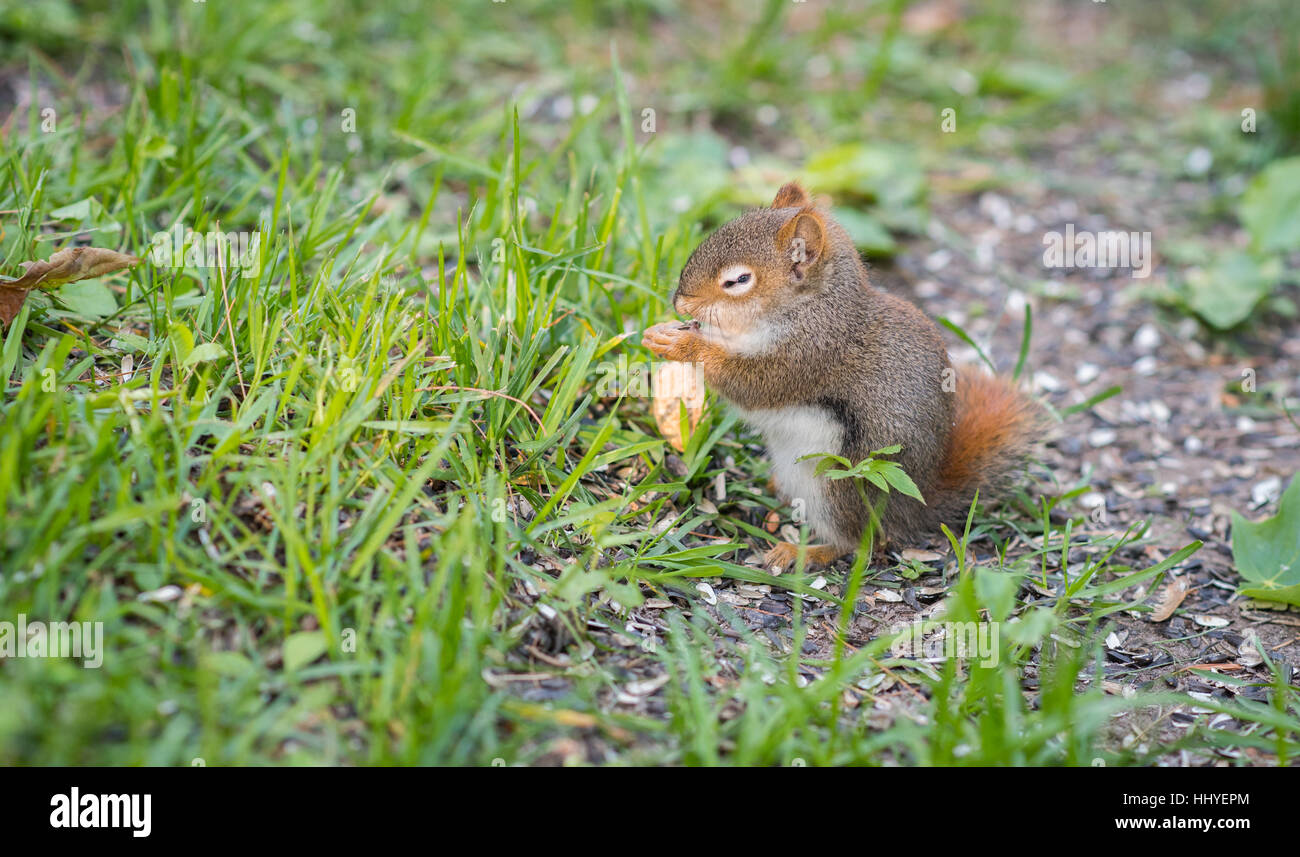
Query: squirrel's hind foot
(785,556)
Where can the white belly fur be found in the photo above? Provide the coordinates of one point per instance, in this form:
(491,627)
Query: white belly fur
(790,433)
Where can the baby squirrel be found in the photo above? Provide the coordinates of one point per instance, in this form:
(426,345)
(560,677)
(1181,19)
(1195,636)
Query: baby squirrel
(816,359)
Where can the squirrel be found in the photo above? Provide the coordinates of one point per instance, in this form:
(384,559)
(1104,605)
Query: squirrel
(789,330)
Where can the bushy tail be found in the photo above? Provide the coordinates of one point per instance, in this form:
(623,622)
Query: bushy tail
(992,435)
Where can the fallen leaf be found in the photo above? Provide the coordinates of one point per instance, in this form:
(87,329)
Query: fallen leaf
(69,265)
(11,301)
(649,686)
(66,266)
(1248,651)
(1173,595)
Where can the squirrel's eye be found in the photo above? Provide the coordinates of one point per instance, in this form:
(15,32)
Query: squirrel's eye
(736,280)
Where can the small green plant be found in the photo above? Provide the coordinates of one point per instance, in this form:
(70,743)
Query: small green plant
(875,469)
(1267,552)
(1228,289)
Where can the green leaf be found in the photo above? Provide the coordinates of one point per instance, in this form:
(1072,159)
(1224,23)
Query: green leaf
(997,590)
(1270,207)
(1286,594)
(303,647)
(88,299)
(1033,626)
(1267,552)
(157,147)
(231,664)
(827,463)
(901,482)
(890,176)
(1225,293)
(79,210)
(88,212)
(182,340)
(1026,78)
(208,352)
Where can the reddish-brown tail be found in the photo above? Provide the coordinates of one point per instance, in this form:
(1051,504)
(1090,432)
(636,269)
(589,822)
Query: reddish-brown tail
(992,435)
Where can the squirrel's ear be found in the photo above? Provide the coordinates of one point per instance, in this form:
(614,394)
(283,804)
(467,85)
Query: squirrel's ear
(803,239)
(791,195)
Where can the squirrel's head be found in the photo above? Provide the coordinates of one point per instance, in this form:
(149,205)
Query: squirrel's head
(753,267)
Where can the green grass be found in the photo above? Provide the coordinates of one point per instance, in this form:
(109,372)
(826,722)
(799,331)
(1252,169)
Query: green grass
(378,466)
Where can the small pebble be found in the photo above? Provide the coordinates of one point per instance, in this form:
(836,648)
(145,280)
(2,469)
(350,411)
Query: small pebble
(1087,373)
(1147,338)
(1146,365)
(1046,382)
(1097,438)
(1265,492)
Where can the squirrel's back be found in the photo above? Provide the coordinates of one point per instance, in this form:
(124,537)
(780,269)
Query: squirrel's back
(961,430)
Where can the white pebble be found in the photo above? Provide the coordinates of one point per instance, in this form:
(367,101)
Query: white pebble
(1146,365)
(1097,438)
(1265,492)
(1046,382)
(1147,338)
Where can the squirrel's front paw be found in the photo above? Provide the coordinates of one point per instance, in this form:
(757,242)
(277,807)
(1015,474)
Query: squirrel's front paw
(671,340)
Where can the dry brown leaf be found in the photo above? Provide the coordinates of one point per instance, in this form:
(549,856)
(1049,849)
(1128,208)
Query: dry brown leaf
(1173,595)
(11,300)
(70,265)
(675,383)
(66,266)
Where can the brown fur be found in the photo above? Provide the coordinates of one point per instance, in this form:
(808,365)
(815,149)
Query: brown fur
(871,361)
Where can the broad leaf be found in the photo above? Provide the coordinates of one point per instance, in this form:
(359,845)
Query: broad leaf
(1225,293)
(302,648)
(1267,552)
(1270,207)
